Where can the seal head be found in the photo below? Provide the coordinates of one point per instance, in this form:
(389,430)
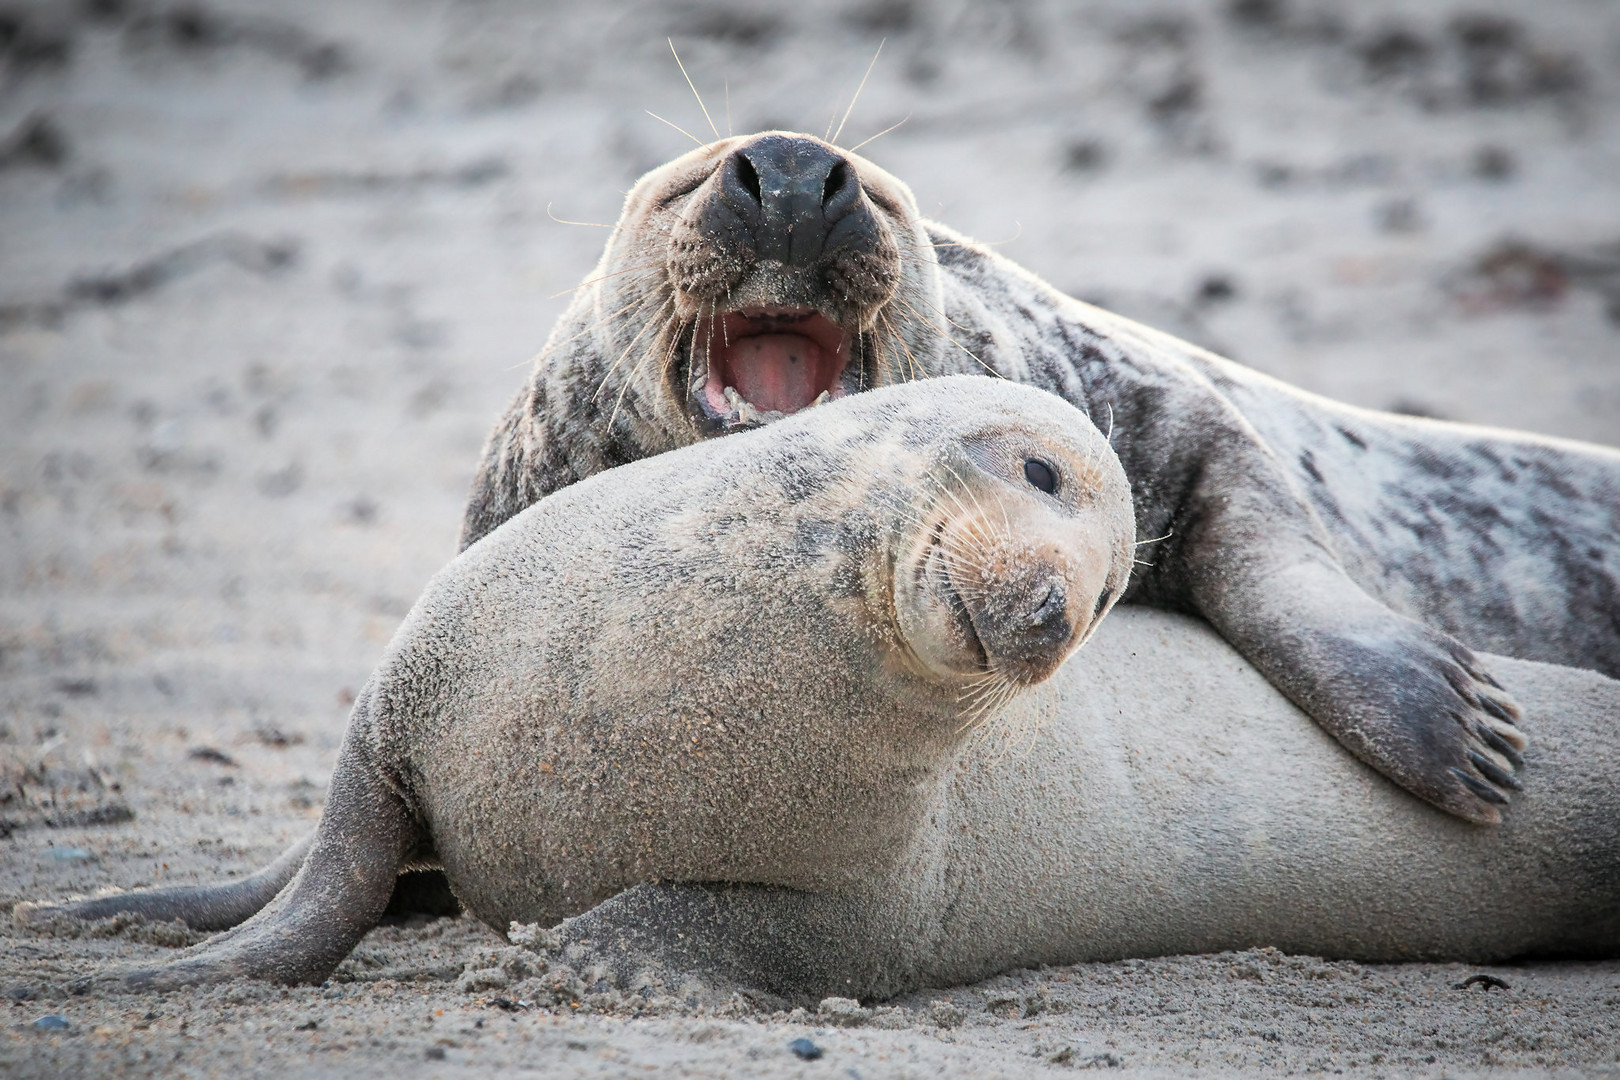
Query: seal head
(774,272)
(1016,561)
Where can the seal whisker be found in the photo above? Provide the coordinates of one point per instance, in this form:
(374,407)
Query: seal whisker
(857,95)
(676,126)
(565,221)
(676,332)
(917,370)
(980,506)
(614,367)
(644,268)
(635,369)
(695,93)
(990,370)
(900,350)
(880,134)
(983,707)
(626,309)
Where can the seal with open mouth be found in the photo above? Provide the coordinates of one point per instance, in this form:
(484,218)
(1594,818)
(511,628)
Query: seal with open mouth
(1355,558)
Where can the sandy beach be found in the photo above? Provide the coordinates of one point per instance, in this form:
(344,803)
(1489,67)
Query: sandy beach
(269,272)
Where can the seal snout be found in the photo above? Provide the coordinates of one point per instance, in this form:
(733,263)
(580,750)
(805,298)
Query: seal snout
(1007,594)
(781,261)
(1029,638)
(799,196)
(1021,602)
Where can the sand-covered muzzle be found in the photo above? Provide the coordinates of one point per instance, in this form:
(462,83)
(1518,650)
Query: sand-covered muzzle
(782,264)
(1006,580)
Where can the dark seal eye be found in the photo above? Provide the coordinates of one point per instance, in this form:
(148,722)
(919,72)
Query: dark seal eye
(1040,475)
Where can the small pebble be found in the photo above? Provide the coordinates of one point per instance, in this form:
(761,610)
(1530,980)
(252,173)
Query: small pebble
(804,1049)
(434,1053)
(60,1023)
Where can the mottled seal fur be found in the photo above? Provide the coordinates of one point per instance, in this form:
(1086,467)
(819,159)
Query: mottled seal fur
(744,661)
(740,682)
(1355,558)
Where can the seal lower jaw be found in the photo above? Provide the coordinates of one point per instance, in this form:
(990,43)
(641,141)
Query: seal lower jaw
(754,365)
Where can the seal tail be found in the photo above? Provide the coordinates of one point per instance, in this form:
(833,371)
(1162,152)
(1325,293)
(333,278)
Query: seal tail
(201,907)
(341,890)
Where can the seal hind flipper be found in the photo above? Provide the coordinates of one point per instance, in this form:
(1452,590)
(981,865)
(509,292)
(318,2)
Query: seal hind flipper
(340,891)
(796,945)
(201,907)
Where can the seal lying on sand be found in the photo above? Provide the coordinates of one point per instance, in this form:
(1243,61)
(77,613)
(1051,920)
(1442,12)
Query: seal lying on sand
(1347,554)
(759,661)
(737,662)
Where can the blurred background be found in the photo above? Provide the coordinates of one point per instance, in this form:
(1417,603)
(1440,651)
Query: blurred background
(269,271)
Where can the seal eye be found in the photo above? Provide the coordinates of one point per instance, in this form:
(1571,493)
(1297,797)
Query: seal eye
(1040,475)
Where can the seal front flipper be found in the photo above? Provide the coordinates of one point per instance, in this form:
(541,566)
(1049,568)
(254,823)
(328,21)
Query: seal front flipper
(339,893)
(1410,701)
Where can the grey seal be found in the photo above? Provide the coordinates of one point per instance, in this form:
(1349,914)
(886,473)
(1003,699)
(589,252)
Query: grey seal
(1355,558)
(742,661)
(802,710)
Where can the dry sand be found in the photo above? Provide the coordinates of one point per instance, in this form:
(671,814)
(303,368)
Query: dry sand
(268,272)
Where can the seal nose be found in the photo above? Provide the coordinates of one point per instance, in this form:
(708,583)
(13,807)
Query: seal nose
(795,192)
(1047,627)
(1032,625)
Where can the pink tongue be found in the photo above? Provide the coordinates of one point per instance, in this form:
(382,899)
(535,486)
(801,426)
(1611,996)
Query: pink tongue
(779,372)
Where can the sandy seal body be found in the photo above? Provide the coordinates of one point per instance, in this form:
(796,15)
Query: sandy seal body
(745,661)
(761,662)
(1353,557)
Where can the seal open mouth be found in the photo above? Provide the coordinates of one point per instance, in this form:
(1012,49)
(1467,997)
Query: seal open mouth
(756,365)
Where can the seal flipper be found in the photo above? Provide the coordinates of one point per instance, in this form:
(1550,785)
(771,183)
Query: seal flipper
(201,907)
(1410,701)
(796,945)
(339,893)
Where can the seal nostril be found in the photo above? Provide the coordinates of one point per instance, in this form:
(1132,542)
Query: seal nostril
(1053,607)
(748,177)
(835,181)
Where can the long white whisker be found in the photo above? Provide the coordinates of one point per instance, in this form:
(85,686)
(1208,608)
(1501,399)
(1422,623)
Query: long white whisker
(858,89)
(648,267)
(565,221)
(676,126)
(880,134)
(695,93)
